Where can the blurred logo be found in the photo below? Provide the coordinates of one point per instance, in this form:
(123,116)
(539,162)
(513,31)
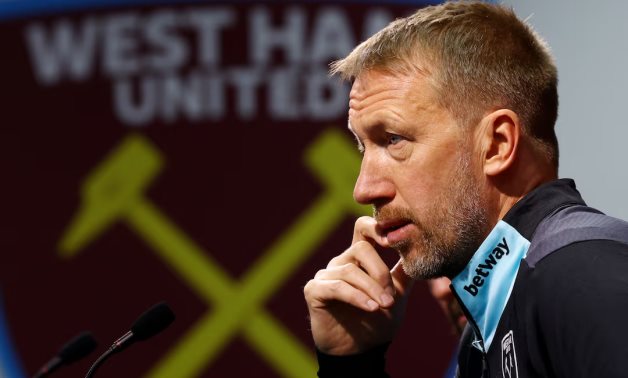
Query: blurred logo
(509,357)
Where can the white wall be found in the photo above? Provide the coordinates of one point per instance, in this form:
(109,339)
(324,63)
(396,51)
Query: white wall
(590,42)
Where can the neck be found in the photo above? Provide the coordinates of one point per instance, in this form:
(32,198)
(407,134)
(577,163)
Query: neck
(525,175)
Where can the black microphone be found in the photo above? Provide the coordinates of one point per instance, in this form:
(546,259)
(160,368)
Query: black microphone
(75,349)
(150,323)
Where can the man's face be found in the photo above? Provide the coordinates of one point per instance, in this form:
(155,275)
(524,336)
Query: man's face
(418,172)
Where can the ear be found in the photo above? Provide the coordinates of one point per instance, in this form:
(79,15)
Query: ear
(499,138)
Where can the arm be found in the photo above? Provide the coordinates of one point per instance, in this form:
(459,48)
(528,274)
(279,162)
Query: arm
(369,364)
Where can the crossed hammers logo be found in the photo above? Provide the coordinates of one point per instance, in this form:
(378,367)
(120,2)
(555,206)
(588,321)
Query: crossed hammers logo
(114,192)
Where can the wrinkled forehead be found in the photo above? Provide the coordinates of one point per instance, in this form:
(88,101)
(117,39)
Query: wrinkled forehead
(399,92)
(416,81)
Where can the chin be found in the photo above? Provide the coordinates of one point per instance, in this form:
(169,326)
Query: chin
(418,269)
(435,264)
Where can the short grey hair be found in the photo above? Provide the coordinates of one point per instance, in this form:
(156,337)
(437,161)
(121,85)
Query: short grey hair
(479,57)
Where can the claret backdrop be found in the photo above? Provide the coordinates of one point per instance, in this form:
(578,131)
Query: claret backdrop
(196,152)
(192,152)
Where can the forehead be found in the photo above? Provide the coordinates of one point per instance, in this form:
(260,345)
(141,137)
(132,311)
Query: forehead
(377,94)
(376,82)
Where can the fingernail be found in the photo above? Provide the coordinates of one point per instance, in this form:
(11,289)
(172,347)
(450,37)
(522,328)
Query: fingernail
(390,290)
(386,299)
(385,241)
(371,304)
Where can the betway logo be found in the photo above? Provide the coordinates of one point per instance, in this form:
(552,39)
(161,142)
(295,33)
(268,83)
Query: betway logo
(484,270)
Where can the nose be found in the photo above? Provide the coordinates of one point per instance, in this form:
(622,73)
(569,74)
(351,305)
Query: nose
(374,185)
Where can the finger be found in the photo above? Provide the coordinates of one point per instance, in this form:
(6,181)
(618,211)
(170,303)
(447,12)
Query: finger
(360,252)
(364,255)
(439,287)
(359,279)
(322,292)
(403,283)
(366,229)
(368,259)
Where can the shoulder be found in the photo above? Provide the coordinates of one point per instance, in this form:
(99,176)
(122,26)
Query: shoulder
(569,226)
(579,282)
(577,300)
(575,253)
(586,264)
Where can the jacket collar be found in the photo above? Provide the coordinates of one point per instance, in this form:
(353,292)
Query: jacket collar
(485,284)
(535,206)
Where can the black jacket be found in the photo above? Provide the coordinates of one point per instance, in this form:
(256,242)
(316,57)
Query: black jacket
(546,295)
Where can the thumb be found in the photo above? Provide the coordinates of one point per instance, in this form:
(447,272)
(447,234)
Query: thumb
(403,283)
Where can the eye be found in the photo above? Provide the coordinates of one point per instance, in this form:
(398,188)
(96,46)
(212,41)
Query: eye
(394,139)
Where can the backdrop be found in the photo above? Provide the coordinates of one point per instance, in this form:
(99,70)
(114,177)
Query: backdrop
(589,42)
(193,152)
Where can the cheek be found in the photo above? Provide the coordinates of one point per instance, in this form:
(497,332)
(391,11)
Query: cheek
(418,188)
(433,166)
(422,179)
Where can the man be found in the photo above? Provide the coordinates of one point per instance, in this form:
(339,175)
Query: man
(454,110)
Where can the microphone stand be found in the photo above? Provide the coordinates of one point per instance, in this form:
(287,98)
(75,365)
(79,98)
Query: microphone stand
(117,346)
(103,357)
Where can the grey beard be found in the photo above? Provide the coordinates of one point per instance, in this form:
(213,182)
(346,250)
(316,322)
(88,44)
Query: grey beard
(445,247)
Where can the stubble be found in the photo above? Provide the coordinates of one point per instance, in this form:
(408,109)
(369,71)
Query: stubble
(455,225)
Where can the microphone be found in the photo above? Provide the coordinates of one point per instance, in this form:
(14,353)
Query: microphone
(150,323)
(75,349)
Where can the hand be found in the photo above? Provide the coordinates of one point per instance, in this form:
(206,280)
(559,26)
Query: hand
(356,303)
(439,287)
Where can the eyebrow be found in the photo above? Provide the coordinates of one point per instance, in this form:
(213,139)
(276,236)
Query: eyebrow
(357,138)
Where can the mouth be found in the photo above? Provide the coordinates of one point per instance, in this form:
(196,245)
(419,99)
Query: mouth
(395,230)
(391,224)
